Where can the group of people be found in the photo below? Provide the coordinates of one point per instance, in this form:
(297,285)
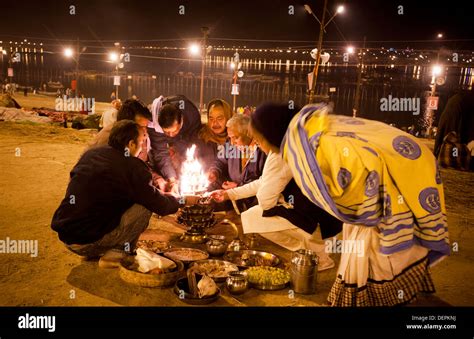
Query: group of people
(285,171)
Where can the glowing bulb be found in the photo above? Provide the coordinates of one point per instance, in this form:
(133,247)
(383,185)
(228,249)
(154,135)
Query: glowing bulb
(437,70)
(113,56)
(194,49)
(68,52)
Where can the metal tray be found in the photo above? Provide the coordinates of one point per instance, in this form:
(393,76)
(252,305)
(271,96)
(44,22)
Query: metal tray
(171,253)
(269,286)
(256,258)
(154,245)
(227,264)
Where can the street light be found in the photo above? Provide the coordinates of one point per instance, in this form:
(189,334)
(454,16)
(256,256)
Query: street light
(350,50)
(203,50)
(68,52)
(114,57)
(440,35)
(194,49)
(322,26)
(339,10)
(436,70)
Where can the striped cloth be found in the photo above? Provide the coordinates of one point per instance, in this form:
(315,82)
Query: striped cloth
(367,173)
(414,279)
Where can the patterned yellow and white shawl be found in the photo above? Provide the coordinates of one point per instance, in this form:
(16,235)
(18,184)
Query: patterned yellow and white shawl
(370,174)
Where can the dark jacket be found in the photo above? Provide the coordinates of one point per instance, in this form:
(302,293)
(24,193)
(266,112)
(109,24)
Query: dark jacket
(160,142)
(206,153)
(229,166)
(305,214)
(103,185)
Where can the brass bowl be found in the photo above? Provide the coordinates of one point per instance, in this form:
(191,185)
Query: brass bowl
(193,238)
(216,248)
(237,282)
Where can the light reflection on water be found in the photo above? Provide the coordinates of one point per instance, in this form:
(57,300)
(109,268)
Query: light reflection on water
(265,79)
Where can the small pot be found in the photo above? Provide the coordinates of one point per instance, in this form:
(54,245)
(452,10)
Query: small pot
(252,240)
(216,248)
(237,282)
(237,245)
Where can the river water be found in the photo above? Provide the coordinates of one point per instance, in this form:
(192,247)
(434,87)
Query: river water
(275,77)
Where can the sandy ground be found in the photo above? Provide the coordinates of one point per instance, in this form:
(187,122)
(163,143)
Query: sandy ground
(33,183)
(37,101)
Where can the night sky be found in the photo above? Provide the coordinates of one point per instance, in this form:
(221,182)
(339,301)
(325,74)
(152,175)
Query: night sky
(268,19)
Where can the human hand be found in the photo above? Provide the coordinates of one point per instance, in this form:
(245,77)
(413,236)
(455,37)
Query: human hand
(228,185)
(161,183)
(219,195)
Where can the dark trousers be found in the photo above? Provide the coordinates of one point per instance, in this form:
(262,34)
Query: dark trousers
(133,222)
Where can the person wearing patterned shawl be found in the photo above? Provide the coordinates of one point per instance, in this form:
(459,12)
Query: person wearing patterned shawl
(386,188)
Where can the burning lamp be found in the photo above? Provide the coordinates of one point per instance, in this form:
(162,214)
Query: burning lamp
(193,180)
(193,184)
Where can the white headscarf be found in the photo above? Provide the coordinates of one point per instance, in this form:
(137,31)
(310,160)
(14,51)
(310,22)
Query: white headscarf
(155,111)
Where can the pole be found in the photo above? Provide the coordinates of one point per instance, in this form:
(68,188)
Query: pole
(359,78)
(430,112)
(205,32)
(116,86)
(234,99)
(318,55)
(76,73)
(10,66)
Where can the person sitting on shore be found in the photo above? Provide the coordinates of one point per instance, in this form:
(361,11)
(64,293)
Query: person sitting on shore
(109,117)
(109,199)
(283,214)
(239,161)
(176,123)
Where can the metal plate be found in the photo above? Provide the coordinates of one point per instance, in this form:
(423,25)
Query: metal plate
(269,286)
(249,258)
(224,264)
(185,254)
(154,245)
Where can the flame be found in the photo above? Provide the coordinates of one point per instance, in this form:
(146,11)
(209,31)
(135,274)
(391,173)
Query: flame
(193,180)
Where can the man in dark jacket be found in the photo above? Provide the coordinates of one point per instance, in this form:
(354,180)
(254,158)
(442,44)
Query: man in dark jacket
(110,199)
(179,123)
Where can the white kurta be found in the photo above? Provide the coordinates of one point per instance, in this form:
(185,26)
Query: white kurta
(268,190)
